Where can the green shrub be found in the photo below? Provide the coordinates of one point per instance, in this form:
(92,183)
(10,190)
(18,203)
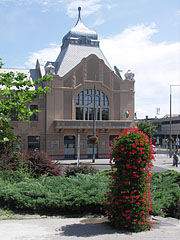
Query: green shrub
(83,193)
(166,194)
(84,168)
(14,176)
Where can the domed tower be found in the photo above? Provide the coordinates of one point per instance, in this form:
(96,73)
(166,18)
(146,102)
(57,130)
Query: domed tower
(78,43)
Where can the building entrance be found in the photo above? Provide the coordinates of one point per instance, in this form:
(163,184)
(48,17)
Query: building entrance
(69,147)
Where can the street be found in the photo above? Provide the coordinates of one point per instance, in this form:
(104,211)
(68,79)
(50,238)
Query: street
(162,163)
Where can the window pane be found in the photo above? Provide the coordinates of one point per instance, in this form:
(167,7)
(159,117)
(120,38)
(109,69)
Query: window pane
(91,113)
(77,99)
(69,140)
(97,101)
(102,99)
(81,98)
(88,99)
(86,113)
(97,92)
(33,143)
(34,116)
(79,113)
(106,101)
(98,114)
(105,113)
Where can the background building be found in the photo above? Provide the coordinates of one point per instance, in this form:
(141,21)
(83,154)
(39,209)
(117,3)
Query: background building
(81,73)
(163,130)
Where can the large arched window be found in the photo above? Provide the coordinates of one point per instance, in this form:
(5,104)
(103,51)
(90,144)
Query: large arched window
(85,105)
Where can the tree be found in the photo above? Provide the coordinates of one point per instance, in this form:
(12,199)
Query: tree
(16,92)
(148,128)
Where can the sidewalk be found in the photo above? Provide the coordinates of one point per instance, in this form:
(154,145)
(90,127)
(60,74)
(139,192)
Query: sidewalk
(161,161)
(83,228)
(91,228)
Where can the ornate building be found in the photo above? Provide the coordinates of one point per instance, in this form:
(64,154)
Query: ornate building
(81,74)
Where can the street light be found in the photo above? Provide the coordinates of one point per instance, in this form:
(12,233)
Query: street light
(170,133)
(94,110)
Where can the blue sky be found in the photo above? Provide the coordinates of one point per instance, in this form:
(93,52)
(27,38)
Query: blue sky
(141,35)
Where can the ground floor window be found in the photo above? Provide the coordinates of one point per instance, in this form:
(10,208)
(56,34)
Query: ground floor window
(33,143)
(69,147)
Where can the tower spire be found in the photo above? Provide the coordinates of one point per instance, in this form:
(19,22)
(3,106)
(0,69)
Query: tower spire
(79,10)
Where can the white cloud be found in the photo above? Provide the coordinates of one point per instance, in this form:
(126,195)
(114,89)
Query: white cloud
(47,54)
(98,22)
(156,66)
(89,7)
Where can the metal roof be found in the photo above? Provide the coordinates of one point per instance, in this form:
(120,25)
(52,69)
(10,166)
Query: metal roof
(73,55)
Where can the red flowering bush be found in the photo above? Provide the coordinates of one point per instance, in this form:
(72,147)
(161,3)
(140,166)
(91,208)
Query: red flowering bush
(128,202)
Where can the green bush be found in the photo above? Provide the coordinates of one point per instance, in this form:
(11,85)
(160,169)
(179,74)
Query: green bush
(14,176)
(83,193)
(166,194)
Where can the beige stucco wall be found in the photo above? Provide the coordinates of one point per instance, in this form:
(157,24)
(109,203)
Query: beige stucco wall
(59,104)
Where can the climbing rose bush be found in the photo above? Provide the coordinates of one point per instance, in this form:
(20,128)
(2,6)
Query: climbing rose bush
(129,201)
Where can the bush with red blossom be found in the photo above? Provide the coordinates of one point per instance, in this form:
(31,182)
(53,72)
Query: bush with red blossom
(128,202)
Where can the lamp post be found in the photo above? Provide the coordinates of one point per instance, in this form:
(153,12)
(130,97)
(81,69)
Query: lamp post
(94,110)
(170,120)
(94,119)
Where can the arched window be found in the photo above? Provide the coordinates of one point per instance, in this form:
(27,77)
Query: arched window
(85,105)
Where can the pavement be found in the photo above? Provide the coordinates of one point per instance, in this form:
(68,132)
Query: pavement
(83,228)
(91,228)
(162,163)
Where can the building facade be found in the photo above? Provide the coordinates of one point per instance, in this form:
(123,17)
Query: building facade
(163,130)
(83,83)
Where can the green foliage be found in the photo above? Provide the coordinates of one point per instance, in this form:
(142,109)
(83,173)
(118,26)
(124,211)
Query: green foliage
(166,194)
(83,193)
(148,128)
(17,91)
(106,172)
(55,194)
(83,168)
(128,202)
(14,176)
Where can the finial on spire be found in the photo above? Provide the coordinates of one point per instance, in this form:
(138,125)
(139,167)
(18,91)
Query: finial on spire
(79,9)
